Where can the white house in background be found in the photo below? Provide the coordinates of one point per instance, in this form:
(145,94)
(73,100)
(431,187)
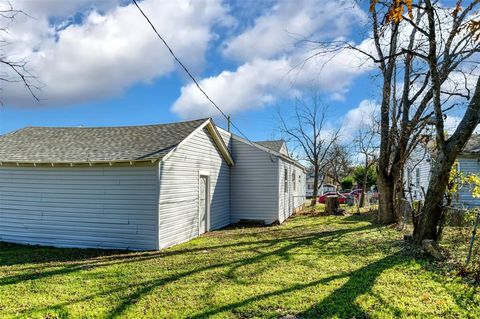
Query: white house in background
(418,170)
(322,189)
(138,187)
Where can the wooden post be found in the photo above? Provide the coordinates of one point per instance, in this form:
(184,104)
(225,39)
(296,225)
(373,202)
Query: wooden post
(331,204)
(472,239)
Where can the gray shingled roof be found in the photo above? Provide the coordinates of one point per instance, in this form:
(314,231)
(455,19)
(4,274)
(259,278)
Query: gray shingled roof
(93,144)
(473,144)
(272,145)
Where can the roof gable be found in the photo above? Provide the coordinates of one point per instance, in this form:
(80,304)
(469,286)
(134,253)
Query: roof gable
(276,145)
(473,145)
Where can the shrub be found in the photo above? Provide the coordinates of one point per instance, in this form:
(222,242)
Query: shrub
(347,182)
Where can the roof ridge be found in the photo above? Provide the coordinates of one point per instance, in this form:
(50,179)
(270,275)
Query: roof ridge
(107,127)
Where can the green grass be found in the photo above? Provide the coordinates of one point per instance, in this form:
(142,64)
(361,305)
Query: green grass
(310,267)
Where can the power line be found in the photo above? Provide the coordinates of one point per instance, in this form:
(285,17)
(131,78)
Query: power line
(188,73)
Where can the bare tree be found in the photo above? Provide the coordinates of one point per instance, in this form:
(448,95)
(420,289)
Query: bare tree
(461,44)
(307,132)
(14,70)
(339,162)
(403,46)
(366,144)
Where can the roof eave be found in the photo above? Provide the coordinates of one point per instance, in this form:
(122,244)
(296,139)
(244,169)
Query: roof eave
(212,128)
(76,163)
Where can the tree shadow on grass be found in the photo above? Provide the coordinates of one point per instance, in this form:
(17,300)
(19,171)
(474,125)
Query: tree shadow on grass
(280,247)
(341,303)
(286,245)
(281,252)
(62,261)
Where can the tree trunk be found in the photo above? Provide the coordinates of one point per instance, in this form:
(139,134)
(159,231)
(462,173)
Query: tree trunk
(384,179)
(364,185)
(331,205)
(398,197)
(428,222)
(315,185)
(427,225)
(386,212)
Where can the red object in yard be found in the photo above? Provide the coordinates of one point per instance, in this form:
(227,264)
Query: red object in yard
(341,198)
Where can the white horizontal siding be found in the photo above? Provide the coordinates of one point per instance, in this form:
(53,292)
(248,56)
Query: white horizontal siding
(254,184)
(284,202)
(295,196)
(102,207)
(419,160)
(179,189)
(468,165)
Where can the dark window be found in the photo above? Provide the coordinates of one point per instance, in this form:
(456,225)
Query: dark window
(294,181)
(285,180)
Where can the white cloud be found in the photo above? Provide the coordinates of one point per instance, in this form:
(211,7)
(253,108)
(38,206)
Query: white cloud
(451,123)
(362,115)
(251,86)
(275,66)
(278,31)
(111,49)
(262,82)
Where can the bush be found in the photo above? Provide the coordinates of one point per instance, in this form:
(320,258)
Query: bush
(347,182)
(359,175)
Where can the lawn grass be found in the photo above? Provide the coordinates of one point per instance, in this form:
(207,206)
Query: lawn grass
(310,267)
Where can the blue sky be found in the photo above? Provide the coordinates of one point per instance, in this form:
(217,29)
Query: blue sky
(100,65)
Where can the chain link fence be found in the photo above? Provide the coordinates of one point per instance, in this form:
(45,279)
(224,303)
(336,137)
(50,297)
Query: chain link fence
(370,201)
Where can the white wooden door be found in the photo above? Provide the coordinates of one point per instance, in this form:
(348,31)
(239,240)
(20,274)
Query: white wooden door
(204,205)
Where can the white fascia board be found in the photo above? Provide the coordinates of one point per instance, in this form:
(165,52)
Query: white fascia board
(216,138)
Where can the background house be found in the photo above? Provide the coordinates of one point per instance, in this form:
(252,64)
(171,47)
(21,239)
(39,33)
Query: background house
(418,170)
(137,187)
(322,188)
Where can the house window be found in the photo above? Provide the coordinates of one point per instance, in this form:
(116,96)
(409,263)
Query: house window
(294,181)
(285,181)
(417,177)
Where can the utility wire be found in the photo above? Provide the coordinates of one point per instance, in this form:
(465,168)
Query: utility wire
(188,72)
